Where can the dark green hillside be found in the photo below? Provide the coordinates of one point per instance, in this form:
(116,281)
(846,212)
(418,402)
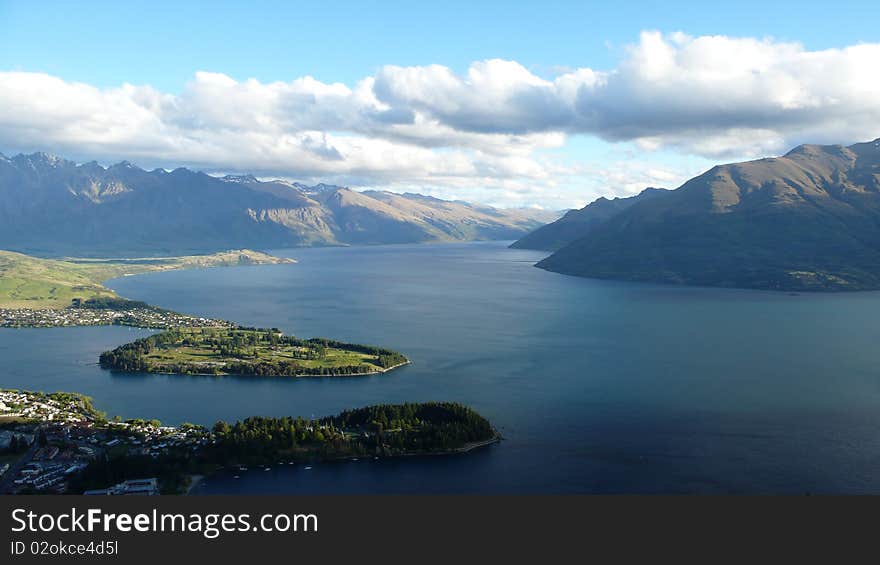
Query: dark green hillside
(807,221)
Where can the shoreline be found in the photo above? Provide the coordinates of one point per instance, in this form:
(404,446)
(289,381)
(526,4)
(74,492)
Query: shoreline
(478,444)
(100,271)
(70,419)
(85,279)
(377,372)
(135,326)
(466,448)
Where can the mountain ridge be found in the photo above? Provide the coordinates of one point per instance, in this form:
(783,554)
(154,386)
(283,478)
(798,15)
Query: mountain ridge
(807,220)
(577,223)
(53,206)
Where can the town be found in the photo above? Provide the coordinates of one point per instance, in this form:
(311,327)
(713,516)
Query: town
(47,440)
(139,317)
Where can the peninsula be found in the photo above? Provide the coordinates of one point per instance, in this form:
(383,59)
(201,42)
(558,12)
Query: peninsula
(59,443)
(36,292)
(248,351)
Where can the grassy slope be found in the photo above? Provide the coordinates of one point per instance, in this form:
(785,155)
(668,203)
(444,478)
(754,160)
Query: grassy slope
(197,355)
(31,282)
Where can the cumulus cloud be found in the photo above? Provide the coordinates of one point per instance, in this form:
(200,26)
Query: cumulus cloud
(710,95)
(494,127)
(304,128)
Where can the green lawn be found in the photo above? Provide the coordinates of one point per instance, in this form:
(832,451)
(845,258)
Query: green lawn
(198,355)
(215,348)
(247,351)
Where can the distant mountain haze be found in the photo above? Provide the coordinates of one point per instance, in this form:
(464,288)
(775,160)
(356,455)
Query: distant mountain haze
(578,223)
(809,220)
(52,206)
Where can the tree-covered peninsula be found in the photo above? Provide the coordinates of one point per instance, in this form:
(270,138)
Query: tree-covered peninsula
(248,351)
(384,429)
(59,442)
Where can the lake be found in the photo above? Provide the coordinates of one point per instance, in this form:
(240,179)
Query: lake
(597,386)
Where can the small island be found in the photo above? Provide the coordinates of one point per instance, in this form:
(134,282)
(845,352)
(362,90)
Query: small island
(250,352)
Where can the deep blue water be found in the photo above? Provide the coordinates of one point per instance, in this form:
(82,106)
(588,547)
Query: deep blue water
(597,386)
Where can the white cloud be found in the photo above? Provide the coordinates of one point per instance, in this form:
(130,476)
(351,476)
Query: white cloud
(710,95)
(497,127)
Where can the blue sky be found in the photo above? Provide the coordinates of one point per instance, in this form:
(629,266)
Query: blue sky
(162,45)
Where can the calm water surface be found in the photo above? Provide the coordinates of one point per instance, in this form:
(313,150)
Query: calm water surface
(596,386)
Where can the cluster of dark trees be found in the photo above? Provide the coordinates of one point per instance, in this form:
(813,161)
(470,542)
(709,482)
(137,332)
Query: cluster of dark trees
(387,429)
(130,357)
(260,439)
(110,303)
(388,360)
(172,470)
(16,445)
(419,426)
(292,369)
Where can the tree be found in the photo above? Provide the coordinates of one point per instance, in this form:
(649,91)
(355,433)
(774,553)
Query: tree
(222,428)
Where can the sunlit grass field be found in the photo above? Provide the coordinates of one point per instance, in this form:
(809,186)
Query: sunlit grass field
(32,282)
(256,349)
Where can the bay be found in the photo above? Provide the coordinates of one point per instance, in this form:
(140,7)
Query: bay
(597,386)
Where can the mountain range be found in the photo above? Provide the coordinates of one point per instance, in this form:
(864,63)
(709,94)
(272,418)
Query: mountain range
(53,206)
(809,220)
(577,223)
